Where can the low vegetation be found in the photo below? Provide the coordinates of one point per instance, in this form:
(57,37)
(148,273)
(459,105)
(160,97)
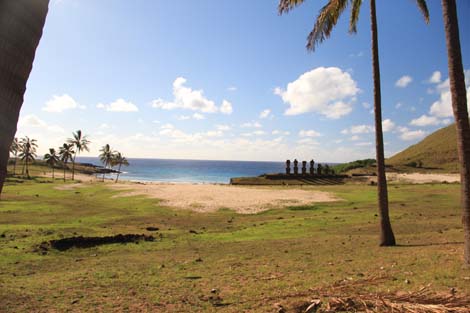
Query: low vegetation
(437,152)
(232,262)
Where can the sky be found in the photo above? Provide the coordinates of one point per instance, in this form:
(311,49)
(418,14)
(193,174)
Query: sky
(232,80)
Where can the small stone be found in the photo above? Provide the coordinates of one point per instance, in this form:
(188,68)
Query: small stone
(407,281)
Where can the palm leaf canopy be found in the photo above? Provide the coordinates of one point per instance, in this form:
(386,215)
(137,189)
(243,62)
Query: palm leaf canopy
(330,14)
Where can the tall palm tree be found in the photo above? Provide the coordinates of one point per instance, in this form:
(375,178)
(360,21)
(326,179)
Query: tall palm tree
(119,160)
(106,156)
(21,24)
(14,149)
(66,154)
(459,105)
(81,143)
(326,21)
(52,159)
(28,152)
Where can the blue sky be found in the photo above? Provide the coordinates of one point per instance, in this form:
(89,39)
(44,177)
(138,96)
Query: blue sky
(232,80)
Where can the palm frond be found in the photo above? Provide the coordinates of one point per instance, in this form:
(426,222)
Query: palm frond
(326,21)
(286,5)
(423,7)
(355,10)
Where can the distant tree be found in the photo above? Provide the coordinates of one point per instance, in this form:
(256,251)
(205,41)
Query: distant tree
(119,160)
(52,159)
(66,154)
(106,156)
(326,21)
(27,152)
(81,143)
(14,149)
(459,104)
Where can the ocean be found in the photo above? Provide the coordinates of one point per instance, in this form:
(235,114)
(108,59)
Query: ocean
(194,171)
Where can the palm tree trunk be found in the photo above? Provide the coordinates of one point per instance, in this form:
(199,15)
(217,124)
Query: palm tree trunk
(459,105)
(386,233)
(65,166)
(73,165)
(27,168)
(21,24)
(119,172)
(53,173)
(14,165)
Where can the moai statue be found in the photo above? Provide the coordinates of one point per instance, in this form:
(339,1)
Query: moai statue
(304,167)
(319,169)
(312,167)
(296,168)
(288,167)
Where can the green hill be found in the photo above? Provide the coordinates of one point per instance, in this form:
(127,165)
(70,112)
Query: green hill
(437,151)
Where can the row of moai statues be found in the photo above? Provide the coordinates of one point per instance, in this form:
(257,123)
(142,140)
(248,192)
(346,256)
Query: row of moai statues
(321,169)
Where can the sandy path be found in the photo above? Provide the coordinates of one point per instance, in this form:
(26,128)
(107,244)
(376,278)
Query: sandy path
(418,178)
(208,197)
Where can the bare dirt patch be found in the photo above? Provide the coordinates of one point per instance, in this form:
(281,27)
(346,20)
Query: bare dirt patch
(211,197)
(421,178)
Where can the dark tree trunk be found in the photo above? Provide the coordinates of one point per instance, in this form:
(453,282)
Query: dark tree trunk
(21,24)
(73,166)
(14,166)
(53,173)
(386,233)
(459,105)
(65,167)
(27,168)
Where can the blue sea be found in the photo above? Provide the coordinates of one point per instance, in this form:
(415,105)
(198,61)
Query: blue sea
(194,171)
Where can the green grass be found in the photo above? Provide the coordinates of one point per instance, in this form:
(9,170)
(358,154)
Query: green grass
(253,260)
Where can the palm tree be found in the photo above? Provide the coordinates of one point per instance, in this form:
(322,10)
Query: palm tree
(459,105)
(81,143)
(119,160)
(326,21)
(21,24)
(106,156)
(66,154)
(28,152)
(14,149)
(52,159)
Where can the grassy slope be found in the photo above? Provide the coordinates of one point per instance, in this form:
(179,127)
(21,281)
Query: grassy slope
(438,150)
(254,260)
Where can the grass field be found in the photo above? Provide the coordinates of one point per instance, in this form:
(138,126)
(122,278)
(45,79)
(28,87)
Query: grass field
(219,261)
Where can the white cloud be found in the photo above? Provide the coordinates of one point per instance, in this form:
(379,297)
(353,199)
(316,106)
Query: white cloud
(195,116)
(387,125)
(358,129)
(309,133)
(404,81)
(280,132)
(435,77)
(328,91)
(222,127)
(355,138)
(425,120)
(265,113)
(251,125)
(32,121)
(232,88)
(120,105)
(408,135)
(189,99)
(226,107)
(443,107)
(398,105)
(363,144)
(307,141)
(61,103)
(366,105)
